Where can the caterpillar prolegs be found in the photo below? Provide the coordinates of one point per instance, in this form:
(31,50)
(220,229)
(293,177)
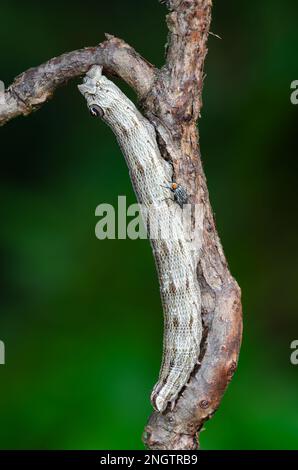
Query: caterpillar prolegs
(150,175)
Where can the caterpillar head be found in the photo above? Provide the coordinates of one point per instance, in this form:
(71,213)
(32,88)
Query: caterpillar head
(98,91)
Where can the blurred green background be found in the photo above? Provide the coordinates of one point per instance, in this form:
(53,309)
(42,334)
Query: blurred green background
(81,318)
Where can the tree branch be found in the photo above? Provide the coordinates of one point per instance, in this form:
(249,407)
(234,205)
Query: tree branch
(173,105)
(171,99)
(33,88)
(188,24)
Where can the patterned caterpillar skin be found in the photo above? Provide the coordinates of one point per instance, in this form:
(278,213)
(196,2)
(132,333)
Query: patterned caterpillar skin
(150,174)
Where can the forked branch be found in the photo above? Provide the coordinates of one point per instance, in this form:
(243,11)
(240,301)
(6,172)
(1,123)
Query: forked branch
(36,86)
(171,99)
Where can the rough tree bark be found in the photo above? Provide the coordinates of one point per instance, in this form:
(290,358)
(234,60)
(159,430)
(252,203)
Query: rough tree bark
(171,98)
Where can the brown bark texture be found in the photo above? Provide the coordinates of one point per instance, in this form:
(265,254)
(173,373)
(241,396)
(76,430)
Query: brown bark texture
(171,98)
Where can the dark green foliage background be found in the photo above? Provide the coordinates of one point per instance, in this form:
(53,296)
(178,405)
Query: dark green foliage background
(81,318)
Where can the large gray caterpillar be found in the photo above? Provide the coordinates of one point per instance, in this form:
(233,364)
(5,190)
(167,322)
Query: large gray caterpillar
(150,175)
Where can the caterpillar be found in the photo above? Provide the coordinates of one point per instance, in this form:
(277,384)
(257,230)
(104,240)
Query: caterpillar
(150,174)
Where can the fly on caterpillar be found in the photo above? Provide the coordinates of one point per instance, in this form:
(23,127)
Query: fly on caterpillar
(180,194)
